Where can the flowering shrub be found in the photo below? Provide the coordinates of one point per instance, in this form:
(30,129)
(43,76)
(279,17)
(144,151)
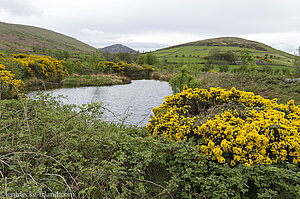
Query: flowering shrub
(43,67)
(231,126)
(8,82)
(265,59)
(212,71)
(147,68)
(121,67)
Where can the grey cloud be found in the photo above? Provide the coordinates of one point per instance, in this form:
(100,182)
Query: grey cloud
(145,46)
(19,7)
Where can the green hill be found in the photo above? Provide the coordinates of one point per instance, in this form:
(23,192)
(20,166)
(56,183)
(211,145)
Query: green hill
(26,38)
(195,52)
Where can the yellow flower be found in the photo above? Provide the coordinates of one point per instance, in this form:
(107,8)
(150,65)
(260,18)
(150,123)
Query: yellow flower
(246,134)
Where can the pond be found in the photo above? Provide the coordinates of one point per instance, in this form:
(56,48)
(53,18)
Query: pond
(136,99)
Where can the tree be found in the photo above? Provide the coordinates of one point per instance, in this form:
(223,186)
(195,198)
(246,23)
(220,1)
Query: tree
(141,60)
(248,61)
(147,59)
(183,79)
(66,54)
(152,59)
(125,57)
(297,63)
(223,67)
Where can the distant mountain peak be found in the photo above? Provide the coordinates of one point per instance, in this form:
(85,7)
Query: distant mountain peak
(116,48)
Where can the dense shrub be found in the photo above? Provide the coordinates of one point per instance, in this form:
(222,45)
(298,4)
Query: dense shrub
(234,126)
(266,69)
(44,67)
(182,79)
(9,86)
(125,68)
(224,67)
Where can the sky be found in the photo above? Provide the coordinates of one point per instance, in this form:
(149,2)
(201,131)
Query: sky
(146,25)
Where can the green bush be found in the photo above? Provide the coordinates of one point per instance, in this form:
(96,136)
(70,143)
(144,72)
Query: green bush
(224,68)
(179,81)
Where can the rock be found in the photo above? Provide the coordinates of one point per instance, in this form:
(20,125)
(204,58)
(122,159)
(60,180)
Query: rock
(290,81)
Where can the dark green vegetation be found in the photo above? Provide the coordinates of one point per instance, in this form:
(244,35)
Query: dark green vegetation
(50,147)
(183,79)
(210,51)
(29,38)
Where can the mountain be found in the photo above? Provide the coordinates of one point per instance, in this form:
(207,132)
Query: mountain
(118,48)
(26,38)
(195,52)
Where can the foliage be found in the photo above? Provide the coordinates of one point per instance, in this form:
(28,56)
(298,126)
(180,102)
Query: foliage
(124,68)
(48,147)
(266,69)
(248,62)
(125,57)
(285,71)
(95,80)
(228,57)
(223,67)
(15,69)
(297,63)
(266,85)
(147,59)
(183,79)
(235,126)
(42,67)
(9,86)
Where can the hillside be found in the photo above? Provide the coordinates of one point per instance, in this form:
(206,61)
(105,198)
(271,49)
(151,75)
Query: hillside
(194,52)
(118,48)
(25,38)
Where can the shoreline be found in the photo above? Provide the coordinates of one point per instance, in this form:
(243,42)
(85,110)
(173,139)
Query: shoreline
(101,79)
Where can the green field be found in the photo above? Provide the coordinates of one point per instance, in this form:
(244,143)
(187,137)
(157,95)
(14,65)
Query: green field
(194,53)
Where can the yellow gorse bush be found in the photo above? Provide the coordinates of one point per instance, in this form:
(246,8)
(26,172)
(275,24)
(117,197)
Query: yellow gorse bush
(248,129)
(212,71)
(121,67)
(43,66)
(147,68)
(7,78)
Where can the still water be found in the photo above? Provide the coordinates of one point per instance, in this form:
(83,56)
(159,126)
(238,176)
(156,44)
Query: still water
(138,99)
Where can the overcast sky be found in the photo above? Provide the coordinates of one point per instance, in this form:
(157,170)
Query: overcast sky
(152,24)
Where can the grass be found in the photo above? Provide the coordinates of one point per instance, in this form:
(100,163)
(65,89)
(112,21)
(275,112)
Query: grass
(23,37)
(95,80)
(268,86)
(193,53)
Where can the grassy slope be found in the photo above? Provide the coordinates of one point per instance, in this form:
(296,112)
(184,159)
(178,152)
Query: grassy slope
(195,51)
(22,37)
